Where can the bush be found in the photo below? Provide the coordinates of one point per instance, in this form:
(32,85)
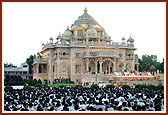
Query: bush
(38,85)
(94,86)
(87,83)
(25,81)
(148,86)
(151,87)
(26,86)
(137,86)
(110,86)
(141,86)
(30,82)
(8,88)
(125,86)
(33,82)
(78,86)
(160,87)
(39,81)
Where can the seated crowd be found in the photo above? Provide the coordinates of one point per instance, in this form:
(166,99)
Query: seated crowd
(135,73)
(83,99)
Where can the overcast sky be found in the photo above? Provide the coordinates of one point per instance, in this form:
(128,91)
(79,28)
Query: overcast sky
(27,25)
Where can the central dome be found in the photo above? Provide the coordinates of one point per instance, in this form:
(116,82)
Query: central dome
(85,19)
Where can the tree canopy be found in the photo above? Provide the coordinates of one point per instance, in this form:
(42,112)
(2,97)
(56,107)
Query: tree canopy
(9,65)
(30,61)
(150,60)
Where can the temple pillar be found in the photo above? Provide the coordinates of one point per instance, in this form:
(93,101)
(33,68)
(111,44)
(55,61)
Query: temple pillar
(137,68)
(99,41)
(114,63)
(37,68)
(42,71)
(95,67)
(86,40)
(109,68)
(87,66)
(101,66)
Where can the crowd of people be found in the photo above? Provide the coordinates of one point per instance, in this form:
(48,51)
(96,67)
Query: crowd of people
(135,73)
(83,99)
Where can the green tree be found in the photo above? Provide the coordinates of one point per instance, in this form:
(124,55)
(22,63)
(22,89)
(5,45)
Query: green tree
(162,66)
(150,60)
(8,88)
(9,65)
(30,61)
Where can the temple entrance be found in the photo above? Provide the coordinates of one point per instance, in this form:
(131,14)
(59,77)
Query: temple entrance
(107,67)
(92,67)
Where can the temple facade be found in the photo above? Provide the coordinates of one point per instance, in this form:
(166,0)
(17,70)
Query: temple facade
(85,53)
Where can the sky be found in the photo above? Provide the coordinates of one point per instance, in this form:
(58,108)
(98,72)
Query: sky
(25,26)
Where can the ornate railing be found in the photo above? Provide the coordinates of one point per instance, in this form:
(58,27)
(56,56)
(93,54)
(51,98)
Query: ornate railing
(41,60)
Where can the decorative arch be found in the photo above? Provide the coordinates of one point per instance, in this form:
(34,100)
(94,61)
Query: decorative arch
(107,65)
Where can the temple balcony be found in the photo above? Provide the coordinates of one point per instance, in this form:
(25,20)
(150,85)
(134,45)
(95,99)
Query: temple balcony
(112,54)
(84,43)
(40,61)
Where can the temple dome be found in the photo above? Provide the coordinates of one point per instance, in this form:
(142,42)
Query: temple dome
(130,39)
(106,36)
(67,34)
(91,32)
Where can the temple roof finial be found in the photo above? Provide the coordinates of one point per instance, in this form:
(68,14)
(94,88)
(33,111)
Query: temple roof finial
(67,27)
(85,10)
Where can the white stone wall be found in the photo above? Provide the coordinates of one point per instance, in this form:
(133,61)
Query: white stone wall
(66,67)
